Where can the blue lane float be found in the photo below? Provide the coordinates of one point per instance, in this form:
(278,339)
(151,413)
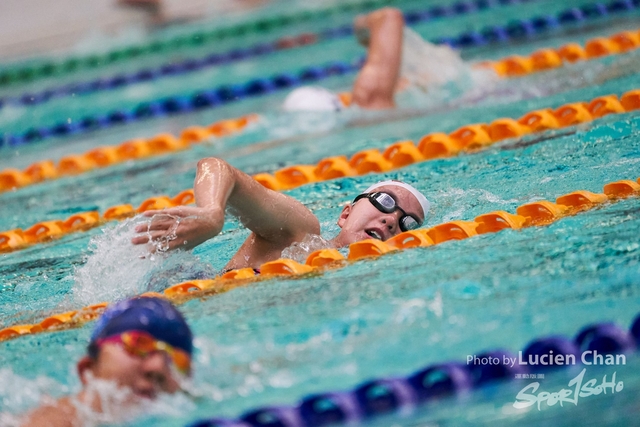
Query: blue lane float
(387,395)
(513,30)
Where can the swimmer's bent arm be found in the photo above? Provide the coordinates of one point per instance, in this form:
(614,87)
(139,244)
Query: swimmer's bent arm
(276,220)
(381,31)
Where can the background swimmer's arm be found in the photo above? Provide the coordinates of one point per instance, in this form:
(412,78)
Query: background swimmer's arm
(376,83)
(60,414)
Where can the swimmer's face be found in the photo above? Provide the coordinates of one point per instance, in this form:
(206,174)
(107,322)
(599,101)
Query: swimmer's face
(146,377)
(361,220)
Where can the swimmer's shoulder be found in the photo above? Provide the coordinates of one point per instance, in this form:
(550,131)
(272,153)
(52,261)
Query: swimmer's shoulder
(61,413)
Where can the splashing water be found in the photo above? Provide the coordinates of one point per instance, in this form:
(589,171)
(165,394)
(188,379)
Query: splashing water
(30,393)
(118,269)
(300,251)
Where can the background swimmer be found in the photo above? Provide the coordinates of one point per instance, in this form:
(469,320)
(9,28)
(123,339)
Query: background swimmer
(397,58)
(139,348)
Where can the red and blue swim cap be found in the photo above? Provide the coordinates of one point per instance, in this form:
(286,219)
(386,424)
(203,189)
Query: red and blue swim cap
(156,316)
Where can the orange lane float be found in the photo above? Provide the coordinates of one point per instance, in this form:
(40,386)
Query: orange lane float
(536,213)
(454,230)
(541,212)
(498,220)
(572,52)
(402,153)
(240,274)
(14,331)
(573,114)
(581,200)
(411,239)
(57,320)
(438,144)
(118,212)
(12,240)
(195,134)
(11,179)
(548,58)
(81,221)
(184,197)
(104,156)
(155,203)
(333,167)
(368,161)
(186,288)
(622,189)
(514,66)
(41,171)
(603,105)
(506,128)
(324,258)
(631,100)
(45,230)
(626,40)
(284,267)
(600,46)
(545,59)
(74,164)
(539,120)
(295,176)
(368,248)
(472,136)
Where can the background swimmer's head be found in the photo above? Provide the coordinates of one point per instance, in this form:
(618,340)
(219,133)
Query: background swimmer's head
(139,344)
(362,220)
(312,98)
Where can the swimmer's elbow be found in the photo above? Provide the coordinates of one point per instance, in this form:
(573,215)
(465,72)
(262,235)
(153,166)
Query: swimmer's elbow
(388,15)
(213,165)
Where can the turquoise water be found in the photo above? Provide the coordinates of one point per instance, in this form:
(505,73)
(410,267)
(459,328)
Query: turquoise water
(273,342)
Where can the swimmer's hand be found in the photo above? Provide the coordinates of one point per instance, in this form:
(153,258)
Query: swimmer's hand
(183,227)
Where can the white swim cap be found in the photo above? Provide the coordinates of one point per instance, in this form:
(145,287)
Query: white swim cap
(424,203)
(312,98)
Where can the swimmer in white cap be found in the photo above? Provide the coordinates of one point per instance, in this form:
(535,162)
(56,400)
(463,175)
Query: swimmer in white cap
(381,31)
(276,220)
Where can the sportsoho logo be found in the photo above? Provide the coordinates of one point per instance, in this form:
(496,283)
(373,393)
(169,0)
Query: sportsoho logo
(578,387)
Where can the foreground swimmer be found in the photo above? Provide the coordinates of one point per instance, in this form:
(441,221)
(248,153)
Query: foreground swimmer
(381,31)
(140,347)
(275,219)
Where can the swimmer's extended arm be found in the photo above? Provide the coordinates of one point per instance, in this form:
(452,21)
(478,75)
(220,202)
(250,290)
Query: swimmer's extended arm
(276,220)
(381,31)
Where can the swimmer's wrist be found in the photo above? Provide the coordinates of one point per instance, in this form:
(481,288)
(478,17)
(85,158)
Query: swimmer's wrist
(213,211)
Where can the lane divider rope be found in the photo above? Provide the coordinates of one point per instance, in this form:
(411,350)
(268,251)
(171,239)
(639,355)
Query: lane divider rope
(262,26)
(104,156)
(467,138)
(539,213)
(548,58)
(261,86)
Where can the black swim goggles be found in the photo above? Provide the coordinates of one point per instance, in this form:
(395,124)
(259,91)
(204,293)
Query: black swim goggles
(385,203)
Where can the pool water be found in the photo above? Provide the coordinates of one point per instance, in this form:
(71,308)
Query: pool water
(275,341)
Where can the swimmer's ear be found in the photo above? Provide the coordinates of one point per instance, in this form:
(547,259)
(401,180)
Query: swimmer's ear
(85,365)
(346,211)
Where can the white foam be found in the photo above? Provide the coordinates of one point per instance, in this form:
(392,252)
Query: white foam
(117,269)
